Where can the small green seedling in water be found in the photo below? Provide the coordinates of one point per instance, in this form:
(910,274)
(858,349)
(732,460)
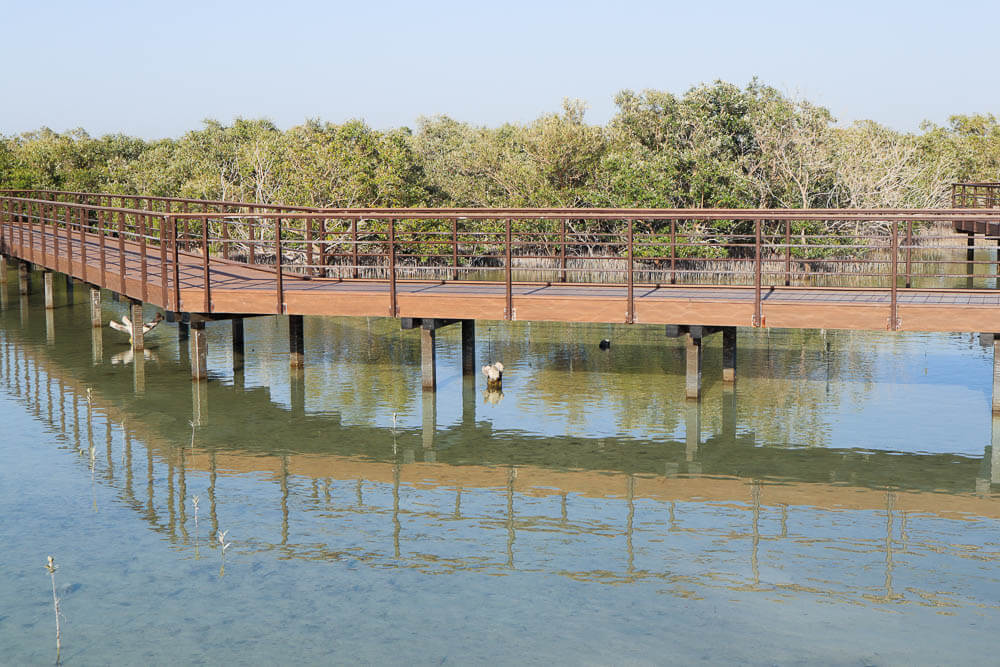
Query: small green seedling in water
(223,545)
(51,567)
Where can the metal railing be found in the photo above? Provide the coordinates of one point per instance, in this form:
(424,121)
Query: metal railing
(884,249)
(975,195)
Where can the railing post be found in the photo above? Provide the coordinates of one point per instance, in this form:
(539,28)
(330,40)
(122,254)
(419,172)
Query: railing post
(177,266)
(143,269)
(280,283)
(164,284)
(393,303)
(757,314)
(673,252)
(630,315)
(121,252)
(83,244)
(309,247)
(103,252)
(69,235)
(909,251)
(207,276)
(354,248)
(894,250)
(508,313)
(454,248)
(562,252)
(788,253)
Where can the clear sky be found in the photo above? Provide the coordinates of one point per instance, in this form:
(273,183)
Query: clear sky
(157,69)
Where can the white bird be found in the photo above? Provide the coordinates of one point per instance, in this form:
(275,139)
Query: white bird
(125,326)
(494,375)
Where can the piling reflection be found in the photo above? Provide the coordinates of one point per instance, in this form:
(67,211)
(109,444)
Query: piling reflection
(724,504)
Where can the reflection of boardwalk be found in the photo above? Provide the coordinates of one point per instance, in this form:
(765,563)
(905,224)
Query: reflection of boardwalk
(680,534)
(154,276)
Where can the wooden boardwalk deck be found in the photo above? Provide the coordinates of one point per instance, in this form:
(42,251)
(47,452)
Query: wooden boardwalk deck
(240,289)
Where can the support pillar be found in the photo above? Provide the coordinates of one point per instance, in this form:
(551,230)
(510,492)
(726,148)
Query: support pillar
(138,344)
(199,352)
(69,288)
(728,414)
(297,391)
(468,347)
(239,348)
(3,269)
(729,354)
(182,331)
(23,278)
(692,434)
(428,377)
(296,342)
(95,308)
(50,301)
(692,384)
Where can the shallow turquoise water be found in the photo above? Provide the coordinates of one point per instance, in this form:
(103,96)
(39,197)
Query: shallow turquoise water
(837,507)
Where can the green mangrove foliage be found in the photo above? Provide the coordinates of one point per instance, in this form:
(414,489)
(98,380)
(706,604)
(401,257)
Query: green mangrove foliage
(717,145)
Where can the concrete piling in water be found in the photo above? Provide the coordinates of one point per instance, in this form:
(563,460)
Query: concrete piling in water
(23,278)
(3,270)
(50,301)
(182,331)
(428,358)
(296,342)
(138,341)
(239,347)
(468,347)
(96,319)
(729,354)
(693,350)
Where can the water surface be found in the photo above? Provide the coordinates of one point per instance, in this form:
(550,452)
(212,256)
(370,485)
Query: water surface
(837,506)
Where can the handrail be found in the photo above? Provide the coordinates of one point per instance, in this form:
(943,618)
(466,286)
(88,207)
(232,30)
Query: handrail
(752,248)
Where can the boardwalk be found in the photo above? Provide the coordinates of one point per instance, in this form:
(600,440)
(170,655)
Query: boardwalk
(183,281)
(698,271)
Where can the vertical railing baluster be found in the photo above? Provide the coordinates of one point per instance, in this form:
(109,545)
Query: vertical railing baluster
(393,296)
(164,285)
(280,282)
(177,266)
(757,309)
(84,219)
(673,252)
(121,252)
(143,269)
(103,253)
(508,313)
(354,246)
(909,251)
(55,237)
(788,253)
(310,269)
(69,239)
(454,248)
(894,250)
(206,276)
(562,251)
(630,315)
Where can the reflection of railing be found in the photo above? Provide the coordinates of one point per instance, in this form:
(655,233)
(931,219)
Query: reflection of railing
(406,523)
(629,248)
(975,195)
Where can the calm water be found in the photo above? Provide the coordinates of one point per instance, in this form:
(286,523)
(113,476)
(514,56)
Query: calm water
(835,508)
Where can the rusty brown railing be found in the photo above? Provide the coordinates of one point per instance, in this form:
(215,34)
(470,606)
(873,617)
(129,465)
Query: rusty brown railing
(975,195)
(885,249)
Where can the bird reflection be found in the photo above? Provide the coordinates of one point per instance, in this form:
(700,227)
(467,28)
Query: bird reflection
(127,356)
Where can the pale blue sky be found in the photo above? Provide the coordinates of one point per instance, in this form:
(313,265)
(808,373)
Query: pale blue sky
(157,69)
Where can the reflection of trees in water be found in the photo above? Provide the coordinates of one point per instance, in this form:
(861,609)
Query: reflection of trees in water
(741,544)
